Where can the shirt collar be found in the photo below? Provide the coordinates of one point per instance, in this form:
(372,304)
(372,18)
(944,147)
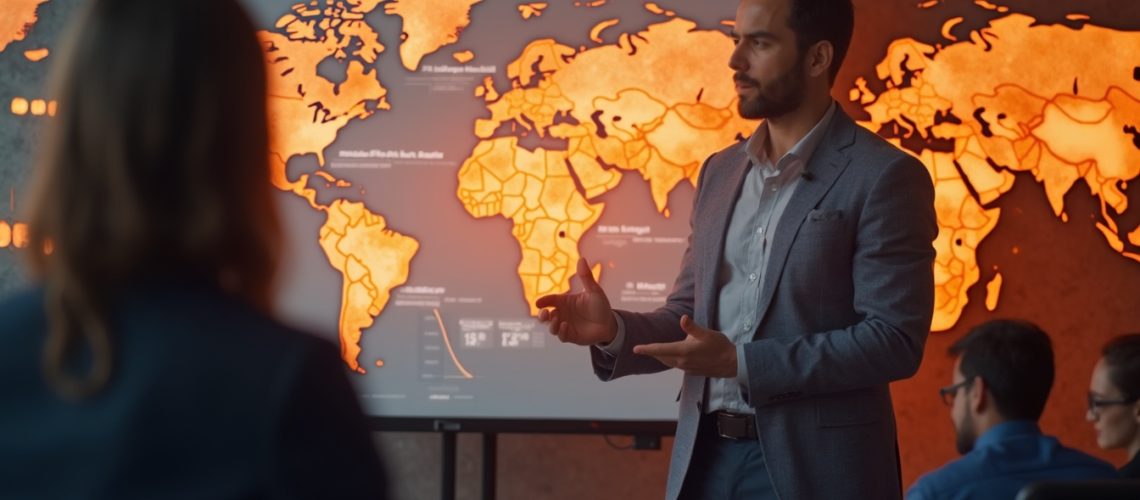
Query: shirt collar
(1007,430)
(801,152)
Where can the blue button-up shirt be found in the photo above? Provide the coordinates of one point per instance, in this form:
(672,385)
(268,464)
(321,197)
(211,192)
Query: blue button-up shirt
(1005,459)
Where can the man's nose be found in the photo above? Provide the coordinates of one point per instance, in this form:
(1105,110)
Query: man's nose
(736,59)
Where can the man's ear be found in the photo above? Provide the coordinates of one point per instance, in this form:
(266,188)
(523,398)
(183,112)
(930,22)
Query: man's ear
(979,399)
(819,57)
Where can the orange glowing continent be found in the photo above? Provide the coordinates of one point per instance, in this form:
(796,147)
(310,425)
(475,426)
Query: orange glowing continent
(534,9)
(463,56)
(372,259)
(536,192)
(16,18)
(596,31)
(993,289)
(630,117)
(656,9)
(306,113)
(307,110)
(429,25)
(1062,124)
(36,55)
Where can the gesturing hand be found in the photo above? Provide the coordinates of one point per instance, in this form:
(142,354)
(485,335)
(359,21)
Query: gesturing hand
(704,352)
(583,318)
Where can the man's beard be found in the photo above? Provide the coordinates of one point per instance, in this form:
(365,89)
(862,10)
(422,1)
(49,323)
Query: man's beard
(778,98)
(964,436)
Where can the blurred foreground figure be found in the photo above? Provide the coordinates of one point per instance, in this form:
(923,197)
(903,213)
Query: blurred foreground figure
(144,362)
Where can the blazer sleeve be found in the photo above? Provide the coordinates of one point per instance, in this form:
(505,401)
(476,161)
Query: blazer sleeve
(323,446)
(661,325)
(894,297)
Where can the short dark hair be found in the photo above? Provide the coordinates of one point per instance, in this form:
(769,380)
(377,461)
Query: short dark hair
(1122,356)
(1015,359)
(818,20)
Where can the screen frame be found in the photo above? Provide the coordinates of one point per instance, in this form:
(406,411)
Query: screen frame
(522,426)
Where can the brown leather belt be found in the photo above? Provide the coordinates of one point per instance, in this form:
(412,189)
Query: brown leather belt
(730,425)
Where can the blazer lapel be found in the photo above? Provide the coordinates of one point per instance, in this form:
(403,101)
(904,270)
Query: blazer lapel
(826,164)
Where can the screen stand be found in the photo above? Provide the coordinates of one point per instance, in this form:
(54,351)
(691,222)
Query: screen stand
(490,456)
(447,465)
(448,458)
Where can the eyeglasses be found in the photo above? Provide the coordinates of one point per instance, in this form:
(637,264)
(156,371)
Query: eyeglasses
(1096,404)
(949,392)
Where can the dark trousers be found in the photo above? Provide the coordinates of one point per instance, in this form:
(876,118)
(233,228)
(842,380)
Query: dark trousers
(723,468)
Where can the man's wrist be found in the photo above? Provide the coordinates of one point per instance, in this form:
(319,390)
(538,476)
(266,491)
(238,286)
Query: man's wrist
(613,329)
(613,347)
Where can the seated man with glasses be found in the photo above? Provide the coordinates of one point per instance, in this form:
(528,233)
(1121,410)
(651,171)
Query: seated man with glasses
(1114,400)
(1002,379)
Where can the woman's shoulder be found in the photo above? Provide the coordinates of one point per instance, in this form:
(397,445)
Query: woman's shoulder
(182,338)
(188,318)
(210,317)
(21,309)
(177,323)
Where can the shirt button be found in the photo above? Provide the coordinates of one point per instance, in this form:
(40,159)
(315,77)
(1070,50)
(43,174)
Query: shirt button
(752,277)
(747,325)
(760,230)
(774,188)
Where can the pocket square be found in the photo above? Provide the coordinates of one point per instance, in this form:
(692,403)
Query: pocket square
(825,215)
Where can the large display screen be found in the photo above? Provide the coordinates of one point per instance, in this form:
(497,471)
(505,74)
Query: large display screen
(441,164)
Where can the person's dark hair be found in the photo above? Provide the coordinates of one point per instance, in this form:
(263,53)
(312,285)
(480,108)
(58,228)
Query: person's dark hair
(1122,357)
(818,20)
(156,165)
(1015,359)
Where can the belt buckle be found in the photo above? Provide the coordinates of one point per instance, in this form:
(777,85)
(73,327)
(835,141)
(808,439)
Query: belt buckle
(732,425)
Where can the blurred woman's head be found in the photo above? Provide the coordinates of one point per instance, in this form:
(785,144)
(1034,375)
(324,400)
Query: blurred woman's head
(1114,395)
(154,167)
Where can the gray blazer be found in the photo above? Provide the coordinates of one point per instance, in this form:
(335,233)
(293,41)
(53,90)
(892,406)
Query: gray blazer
(845,310)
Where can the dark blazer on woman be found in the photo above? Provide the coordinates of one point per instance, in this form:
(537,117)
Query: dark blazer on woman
(208,399)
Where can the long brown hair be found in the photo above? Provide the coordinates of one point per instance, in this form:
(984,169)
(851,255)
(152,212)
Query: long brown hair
(155,165)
